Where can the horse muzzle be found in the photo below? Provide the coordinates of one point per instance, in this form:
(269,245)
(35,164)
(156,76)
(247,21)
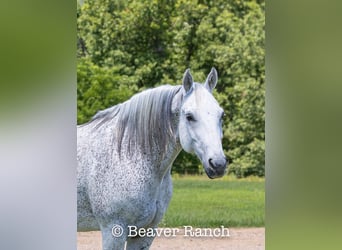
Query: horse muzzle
(216,167)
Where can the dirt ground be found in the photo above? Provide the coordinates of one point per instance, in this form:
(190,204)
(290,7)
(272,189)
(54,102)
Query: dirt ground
(239,239)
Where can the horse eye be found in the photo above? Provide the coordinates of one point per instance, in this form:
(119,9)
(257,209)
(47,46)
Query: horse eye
(190,117)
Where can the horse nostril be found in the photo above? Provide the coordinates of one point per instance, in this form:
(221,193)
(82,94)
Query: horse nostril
(218,163)
(211,163)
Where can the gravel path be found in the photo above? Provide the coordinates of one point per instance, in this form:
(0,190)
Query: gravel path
(239,239)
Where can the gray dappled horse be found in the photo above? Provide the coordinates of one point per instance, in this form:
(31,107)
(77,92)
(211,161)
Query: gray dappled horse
(125,154)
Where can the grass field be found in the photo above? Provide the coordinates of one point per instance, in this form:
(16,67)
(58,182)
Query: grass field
(201,202)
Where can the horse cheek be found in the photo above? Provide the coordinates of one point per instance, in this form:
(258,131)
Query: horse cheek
(185,138)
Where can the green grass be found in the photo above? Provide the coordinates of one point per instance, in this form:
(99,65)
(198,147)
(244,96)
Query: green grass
(201,202)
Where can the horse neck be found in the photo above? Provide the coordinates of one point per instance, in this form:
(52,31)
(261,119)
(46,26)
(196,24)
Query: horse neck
(170,155)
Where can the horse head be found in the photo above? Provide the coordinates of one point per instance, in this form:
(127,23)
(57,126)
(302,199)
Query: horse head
(200,124)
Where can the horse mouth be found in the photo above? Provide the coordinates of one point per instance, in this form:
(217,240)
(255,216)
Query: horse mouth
(214,173)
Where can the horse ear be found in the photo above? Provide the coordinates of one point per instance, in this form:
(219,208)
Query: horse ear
(188,82)
(211,81)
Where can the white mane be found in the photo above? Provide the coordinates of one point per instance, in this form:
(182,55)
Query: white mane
(145,119)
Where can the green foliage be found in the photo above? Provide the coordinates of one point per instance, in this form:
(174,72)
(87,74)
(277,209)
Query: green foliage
(126,46)
(99,88)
